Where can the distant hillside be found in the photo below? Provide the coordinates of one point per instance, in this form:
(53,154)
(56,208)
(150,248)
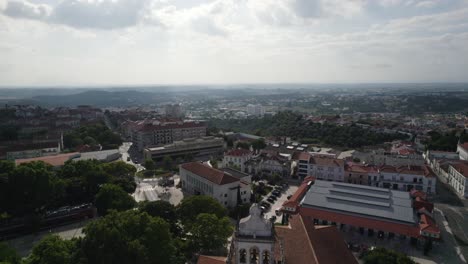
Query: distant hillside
(100,98)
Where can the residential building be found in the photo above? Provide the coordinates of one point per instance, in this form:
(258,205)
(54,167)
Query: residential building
(269,164)
(462,150)
(380,157)
(365,210)
(257,240)
(458,178)
(359,174)
(255,110)
(404,178)
(321,167)
(194,148)
(200,179)
(237,158)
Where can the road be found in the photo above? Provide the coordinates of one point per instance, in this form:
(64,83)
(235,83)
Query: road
(278,203)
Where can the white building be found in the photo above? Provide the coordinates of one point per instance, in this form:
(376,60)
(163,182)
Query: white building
(237,158)
(321,167)
(405,178)
(255,110)
(462,150)
(200,179)
(458,178)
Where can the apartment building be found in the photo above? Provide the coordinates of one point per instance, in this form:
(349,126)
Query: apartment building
(462,150)
(154,132)
(404,178)
(237,158)
(320,166)
(458,178)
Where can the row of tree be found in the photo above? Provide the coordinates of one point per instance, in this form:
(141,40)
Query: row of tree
(446,141)
(33,188)
(155,232)
(294,125)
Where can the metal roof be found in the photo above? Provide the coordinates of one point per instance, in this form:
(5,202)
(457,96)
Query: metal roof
(373,202)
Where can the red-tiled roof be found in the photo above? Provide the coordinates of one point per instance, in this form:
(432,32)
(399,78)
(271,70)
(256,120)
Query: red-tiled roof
(293,202)
(464,146)
(428,224)
(56,160)
(413,170)
(328,244)
(202,259)
(325,161)
(238,152)
(301,156)
(209,173)
(461,168)
(359,221)
(303,243)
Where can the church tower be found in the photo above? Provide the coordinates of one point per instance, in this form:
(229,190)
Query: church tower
(254,239)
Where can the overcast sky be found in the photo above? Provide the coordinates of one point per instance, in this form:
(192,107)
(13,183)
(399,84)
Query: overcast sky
(125,42)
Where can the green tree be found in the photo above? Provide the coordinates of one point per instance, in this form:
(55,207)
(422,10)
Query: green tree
(259,144)
(53,250)
(385,256)
(168,162)
(243,145)
(210,233)
(128,237)
(8,255)
(113,197)
(150,165)
(162,209)
(192,206)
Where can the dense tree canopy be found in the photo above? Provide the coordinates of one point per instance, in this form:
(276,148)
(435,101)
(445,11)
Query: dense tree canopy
(210,233)
(128,237)
(447,141)
(294,125)
(191,207)
(92,135)
(53,250)
(113,197)
(385,256)
(8,254)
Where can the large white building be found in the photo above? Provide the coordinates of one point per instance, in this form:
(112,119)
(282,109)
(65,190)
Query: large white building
(462,150)
(458,178)
(200,179)
(255,110)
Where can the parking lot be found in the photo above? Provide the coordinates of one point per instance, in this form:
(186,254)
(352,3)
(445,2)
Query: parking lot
(290,190)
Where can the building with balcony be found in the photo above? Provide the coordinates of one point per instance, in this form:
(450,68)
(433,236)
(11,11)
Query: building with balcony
(458,178)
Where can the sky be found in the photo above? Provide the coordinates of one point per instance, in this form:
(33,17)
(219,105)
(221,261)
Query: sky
(151,42)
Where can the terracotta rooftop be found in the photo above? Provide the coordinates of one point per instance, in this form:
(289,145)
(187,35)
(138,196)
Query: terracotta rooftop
(428,224)
(461,168)
(413,170)
(56,160)
(325,161)
(238,152)
(303,243)
(202,259)
(213,175)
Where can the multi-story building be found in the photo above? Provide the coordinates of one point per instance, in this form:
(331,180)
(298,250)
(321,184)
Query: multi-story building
(458,178)
(462,150)
(195,148)
(359,174)
(380,157)
(255,110)
(321,167)
(269,164)
(228,188)
(237,158)
(153,132)
(405,178)
(365,210)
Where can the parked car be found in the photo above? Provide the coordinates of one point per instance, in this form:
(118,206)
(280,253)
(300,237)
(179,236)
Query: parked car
(273,197)
(273,218)
(270,200)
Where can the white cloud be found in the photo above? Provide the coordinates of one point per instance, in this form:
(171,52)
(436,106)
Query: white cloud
(24,9)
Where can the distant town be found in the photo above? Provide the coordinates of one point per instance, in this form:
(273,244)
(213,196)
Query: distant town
(236,175)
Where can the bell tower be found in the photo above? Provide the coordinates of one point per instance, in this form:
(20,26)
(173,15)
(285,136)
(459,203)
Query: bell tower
(254,239)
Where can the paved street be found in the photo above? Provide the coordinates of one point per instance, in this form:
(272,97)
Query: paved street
(278,203)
